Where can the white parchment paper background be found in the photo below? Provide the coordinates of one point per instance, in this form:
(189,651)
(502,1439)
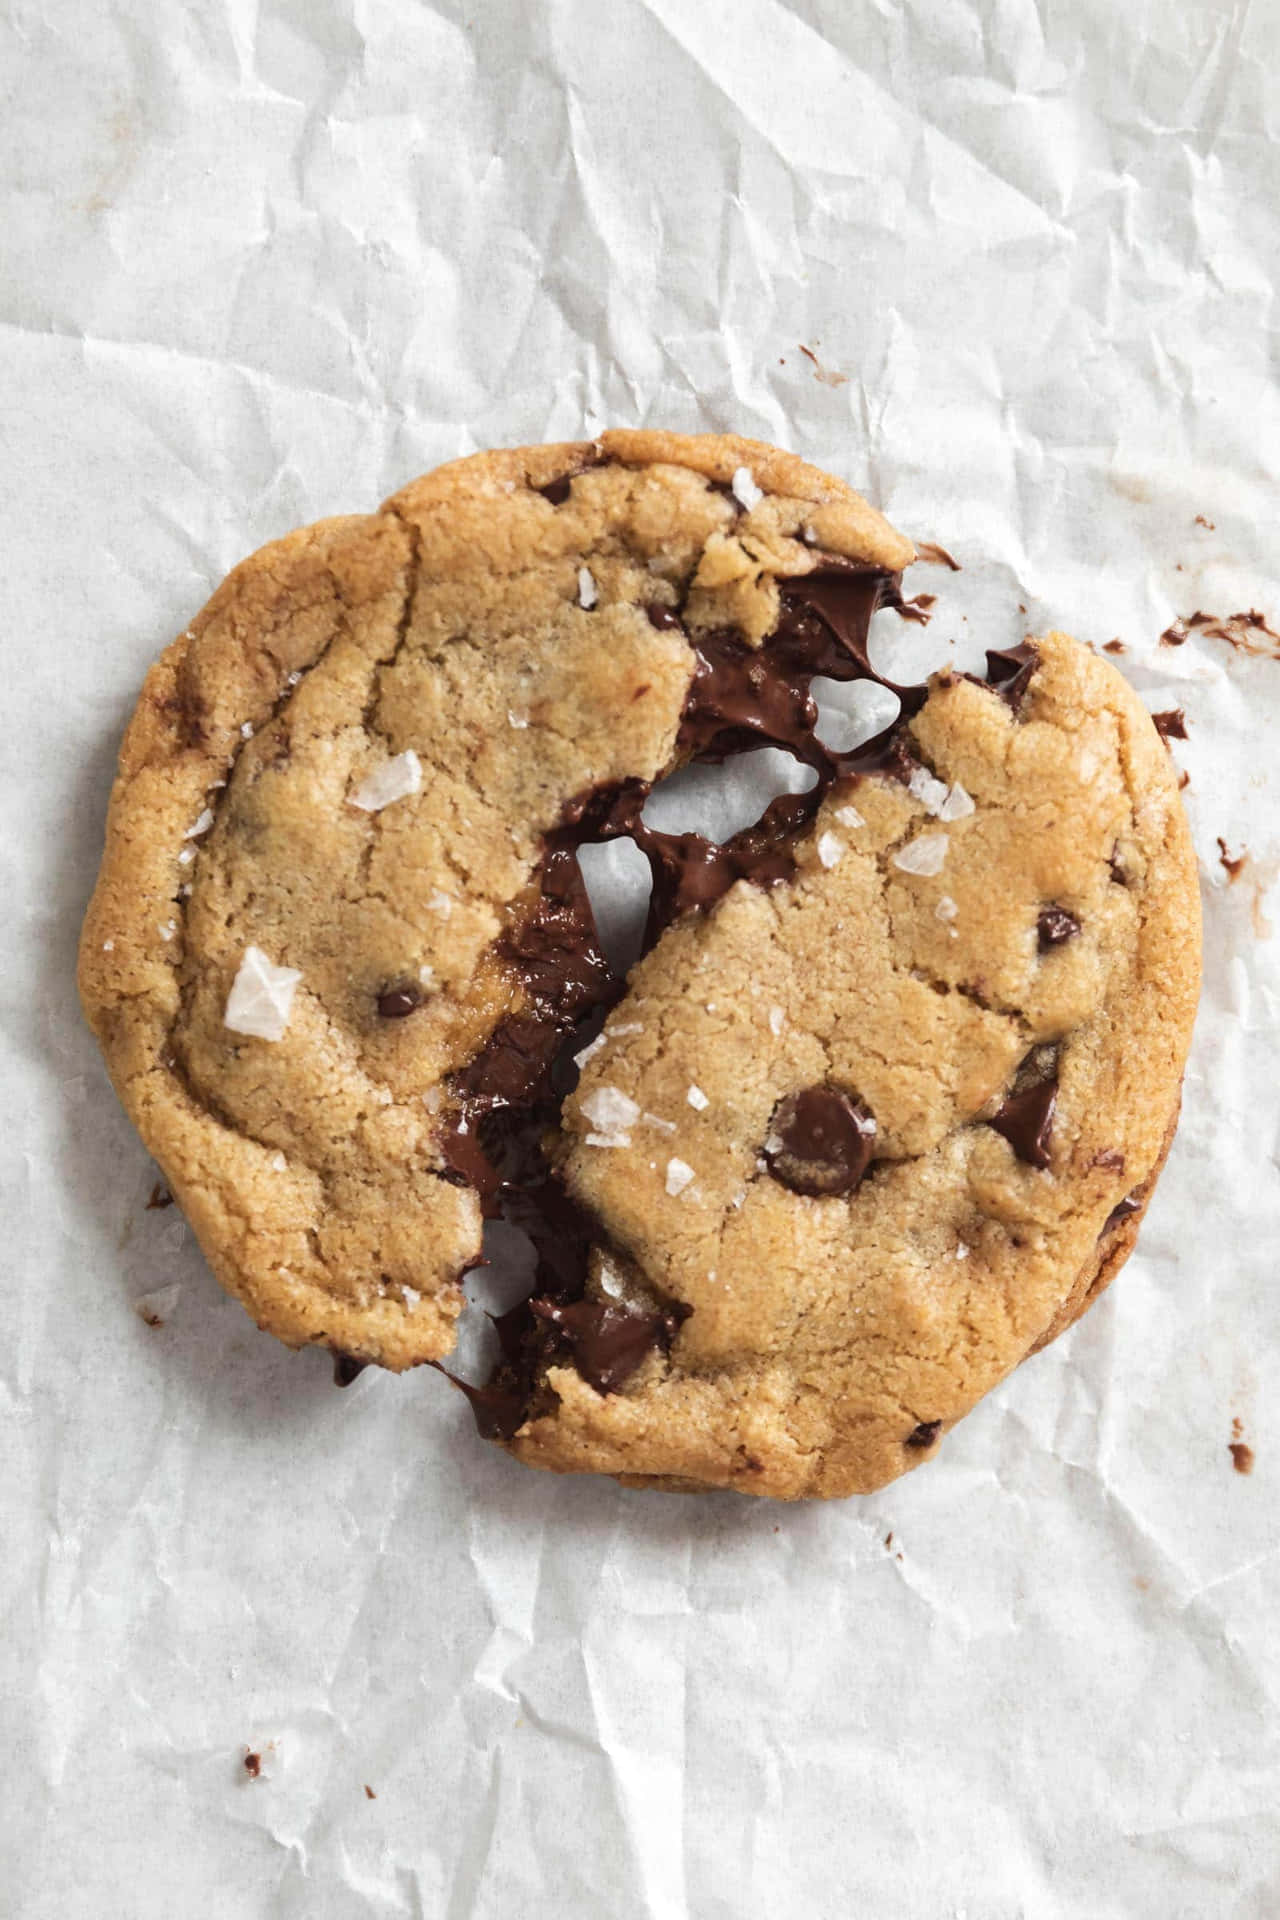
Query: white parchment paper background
(265,261)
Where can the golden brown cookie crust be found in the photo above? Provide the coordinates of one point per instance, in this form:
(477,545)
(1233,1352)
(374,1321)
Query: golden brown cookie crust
(822,1333)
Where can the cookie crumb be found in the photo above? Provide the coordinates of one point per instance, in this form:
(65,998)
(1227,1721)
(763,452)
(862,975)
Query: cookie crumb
(697,1099)
(679,1175)
(744,489)
(924,856)
(588,593)
(261,997)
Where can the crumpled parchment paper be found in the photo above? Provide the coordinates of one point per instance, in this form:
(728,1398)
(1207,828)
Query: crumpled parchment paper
(1010,268)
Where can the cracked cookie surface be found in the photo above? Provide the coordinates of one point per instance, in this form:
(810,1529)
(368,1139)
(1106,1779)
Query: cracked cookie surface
(860,1128)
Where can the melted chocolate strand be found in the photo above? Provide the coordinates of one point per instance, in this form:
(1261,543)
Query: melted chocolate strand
(1055,927)
(1026,1121)
(820,1142)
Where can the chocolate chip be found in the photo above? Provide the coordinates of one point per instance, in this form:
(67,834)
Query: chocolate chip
(556,491)
(665,619)
(1026,1121)
(346,1368)
(160,1197)
(1055,927)
(1110,1158)
(608,1340)
(820,1142)
(925,1434)
(394,1003)
(253,1765)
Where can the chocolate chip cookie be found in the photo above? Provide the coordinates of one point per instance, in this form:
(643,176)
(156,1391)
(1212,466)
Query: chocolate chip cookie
(873,1117)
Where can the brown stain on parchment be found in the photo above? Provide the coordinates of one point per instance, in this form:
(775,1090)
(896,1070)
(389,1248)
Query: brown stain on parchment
(1246,632)
(1242,1454)
(827,375)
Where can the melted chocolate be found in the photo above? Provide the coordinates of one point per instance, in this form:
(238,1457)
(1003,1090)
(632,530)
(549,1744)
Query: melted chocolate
(1130,1204)
(1171,724)
(663,618)
(1026,1121)
(346,1368)
(925,1434)
(820,1142)
(607,1339)
(1009,671)
(1055,927)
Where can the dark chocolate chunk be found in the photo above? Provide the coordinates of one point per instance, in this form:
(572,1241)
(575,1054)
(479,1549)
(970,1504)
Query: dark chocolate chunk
(1026,1121)
(925,1434)
(1009,671)
(253,1764)
(394,1003)
(346,1368)
(1171,724)
(1055,927)
(1129,1205)
(820,1142)
(160,1197)
(1110,1158)
(556,491)
(607,1340)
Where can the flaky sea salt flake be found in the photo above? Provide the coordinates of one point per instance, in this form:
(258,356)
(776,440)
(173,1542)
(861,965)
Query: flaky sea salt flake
(697,1099)
(608,1139)
(278,1163)
(957,805)
(849,817)
(588,592)
(946,908)
(610,1110)
(931,793)
(925,855)
(656,1120)
(201,824)
(777,1020)
(261,997)
(745,491)
(157,1306)
(394,779)
(679,1175)
(589,1052)
(830,848)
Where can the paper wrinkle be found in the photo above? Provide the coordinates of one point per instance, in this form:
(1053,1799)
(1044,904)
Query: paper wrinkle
(267,268)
